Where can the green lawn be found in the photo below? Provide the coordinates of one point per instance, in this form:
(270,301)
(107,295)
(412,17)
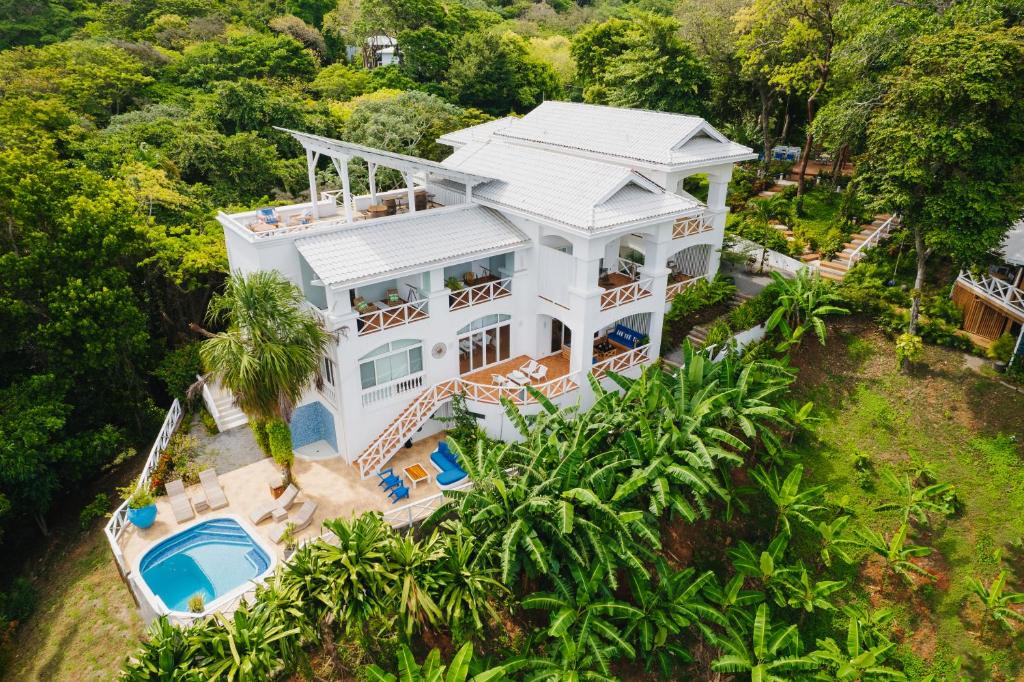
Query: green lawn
(969,430)
(86,622)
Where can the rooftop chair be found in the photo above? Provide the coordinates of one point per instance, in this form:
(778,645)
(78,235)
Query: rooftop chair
(269,216)
(276,508)
(447,465)
(301,519)
(211,485)
(180,505)
(399,493)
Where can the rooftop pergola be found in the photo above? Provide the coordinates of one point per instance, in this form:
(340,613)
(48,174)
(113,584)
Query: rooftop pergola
(341,152)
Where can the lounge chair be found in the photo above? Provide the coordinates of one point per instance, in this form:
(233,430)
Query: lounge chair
(214,493)
(387,478)
(399,493)
(276,508)
(269,216)
(180,504)
(502,381)
(534,369)
(301,519)
(447,465)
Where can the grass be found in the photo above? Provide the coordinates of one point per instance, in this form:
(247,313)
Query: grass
(85,623)
(968,430)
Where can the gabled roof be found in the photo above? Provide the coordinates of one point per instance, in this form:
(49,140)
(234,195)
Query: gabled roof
(648,137)
(387,247)
(477,133)
(581,193)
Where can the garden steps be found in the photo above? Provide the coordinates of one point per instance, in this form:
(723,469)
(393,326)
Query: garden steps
(226,413)
(837,267)
(697,335)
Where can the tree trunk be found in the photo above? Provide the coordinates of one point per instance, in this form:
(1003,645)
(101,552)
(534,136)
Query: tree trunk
(805,155)
(915,302)
(765,96)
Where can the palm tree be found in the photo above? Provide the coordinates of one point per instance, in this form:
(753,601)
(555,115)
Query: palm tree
(790,501)
(915,503)
(859,661)
(998,603)
(896,553)
(766,655)
(413,580)
(271,348)
(803,303)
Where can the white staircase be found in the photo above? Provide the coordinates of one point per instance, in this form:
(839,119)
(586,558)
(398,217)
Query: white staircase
(220,403)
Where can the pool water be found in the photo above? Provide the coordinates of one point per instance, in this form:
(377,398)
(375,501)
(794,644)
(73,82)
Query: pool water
(211,558)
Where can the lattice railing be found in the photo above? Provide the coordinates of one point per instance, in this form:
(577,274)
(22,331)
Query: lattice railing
(994,289)
(395,316)
(620,362)
(119,519)
(628,293)
(675,288)
(480,293)
(685,227)
(408,514)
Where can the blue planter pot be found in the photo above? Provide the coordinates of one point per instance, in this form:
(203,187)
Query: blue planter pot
(142,518)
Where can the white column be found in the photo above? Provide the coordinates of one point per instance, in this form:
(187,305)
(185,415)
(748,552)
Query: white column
(341,165)
(372,168)
(311,159)
(410,190)
(656,252)
(611,254)
(718,188)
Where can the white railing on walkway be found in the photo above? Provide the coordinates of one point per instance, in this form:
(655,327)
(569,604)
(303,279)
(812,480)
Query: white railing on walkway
(873,239)
(627,293)
(517,395)
(395,316)
(629,268)
(620,362)
(480,293)
(119,519)
(408,514)
(392,388)
(675,288)
(995,290)
(685,227)
(211,404)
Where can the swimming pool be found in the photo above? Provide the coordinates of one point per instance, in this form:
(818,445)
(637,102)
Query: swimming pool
(212,558)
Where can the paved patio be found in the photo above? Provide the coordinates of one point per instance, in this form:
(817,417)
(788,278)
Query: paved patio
(332,483)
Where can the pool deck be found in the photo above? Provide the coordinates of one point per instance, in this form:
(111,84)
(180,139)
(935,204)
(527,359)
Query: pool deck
(332,483)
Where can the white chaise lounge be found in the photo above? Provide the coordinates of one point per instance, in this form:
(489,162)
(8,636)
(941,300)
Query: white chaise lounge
(277,508)
(180,504)
(300,520)
(211,485)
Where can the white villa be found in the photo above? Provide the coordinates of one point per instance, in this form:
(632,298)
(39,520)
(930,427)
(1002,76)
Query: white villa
(553,242)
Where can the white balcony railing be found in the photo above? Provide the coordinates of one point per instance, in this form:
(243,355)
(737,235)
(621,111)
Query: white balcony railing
(395,316)
(621,362)
(408,514)
(995,290)
(686,227)
(480,293)
(629,268)
(634,291)
(404,384)
(675,288)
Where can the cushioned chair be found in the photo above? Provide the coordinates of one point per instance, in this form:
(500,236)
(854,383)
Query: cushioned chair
(447,465)
(624,336)
(399,493)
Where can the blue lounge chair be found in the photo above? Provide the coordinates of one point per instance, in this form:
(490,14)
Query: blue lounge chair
(447,465)
(392,483)
(399,493)
(269,216)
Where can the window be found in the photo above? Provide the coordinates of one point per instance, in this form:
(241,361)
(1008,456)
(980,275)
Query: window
(390,362)
(328,370)
(484,341)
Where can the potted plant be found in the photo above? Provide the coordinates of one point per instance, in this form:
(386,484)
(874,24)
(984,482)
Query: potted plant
(453,283)
(289,540)
(141,506)
(196,603)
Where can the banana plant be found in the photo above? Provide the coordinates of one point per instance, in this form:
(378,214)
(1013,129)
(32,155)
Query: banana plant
(733,602)
(803,303)
(896,552)
(766,567)
(913,503)
(669,605)
(768,655)
(432,670)
(997,602)
(800,417)
(802,592)
(468,590)
(792,503)
(859,661)
(832,542)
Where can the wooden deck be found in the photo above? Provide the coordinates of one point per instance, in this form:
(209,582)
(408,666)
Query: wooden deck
(557,365)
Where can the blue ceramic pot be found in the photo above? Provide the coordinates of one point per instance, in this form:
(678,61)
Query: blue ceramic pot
(142,518)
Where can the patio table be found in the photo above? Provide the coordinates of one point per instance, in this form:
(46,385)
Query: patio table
(417,473)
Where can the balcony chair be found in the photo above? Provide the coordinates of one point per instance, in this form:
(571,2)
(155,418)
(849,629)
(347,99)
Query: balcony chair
(269,216)
(391,297)
(385,475)
(469,278)
(399,493)
(501,381)
(534,369)
(392,482)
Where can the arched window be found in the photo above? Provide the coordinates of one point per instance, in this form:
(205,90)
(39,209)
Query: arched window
(484,341)
(391,361)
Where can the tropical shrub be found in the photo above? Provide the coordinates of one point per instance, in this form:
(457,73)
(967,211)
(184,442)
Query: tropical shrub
(1002,348)
(700,295)
(279,439)
(802,304)
(178,370)
(97,509)
(909,348)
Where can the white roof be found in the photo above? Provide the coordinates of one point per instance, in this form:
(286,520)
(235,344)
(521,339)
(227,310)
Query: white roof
(477,133)
(650,137)
(376,249)
(581,193)
(1013,244)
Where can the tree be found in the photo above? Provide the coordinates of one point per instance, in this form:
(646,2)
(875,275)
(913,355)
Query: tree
(946,146)
(246,55)
(433,669)
(272,348)
(309,36)
(341,82)
(426,53)
(494,71)
(765,655)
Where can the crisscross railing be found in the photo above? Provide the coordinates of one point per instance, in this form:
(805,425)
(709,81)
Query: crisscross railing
(395,316)
(995,289)
(408,514)
(620,362)
(627,293)
(685,227)
(480,293)
(675,288)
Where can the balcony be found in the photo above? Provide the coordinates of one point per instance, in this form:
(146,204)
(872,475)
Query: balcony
(394,388)
(687,227)
(490,289)
(677,283)
(623,287)
(617,359)
(376,317)
(999,294)
(481,386)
